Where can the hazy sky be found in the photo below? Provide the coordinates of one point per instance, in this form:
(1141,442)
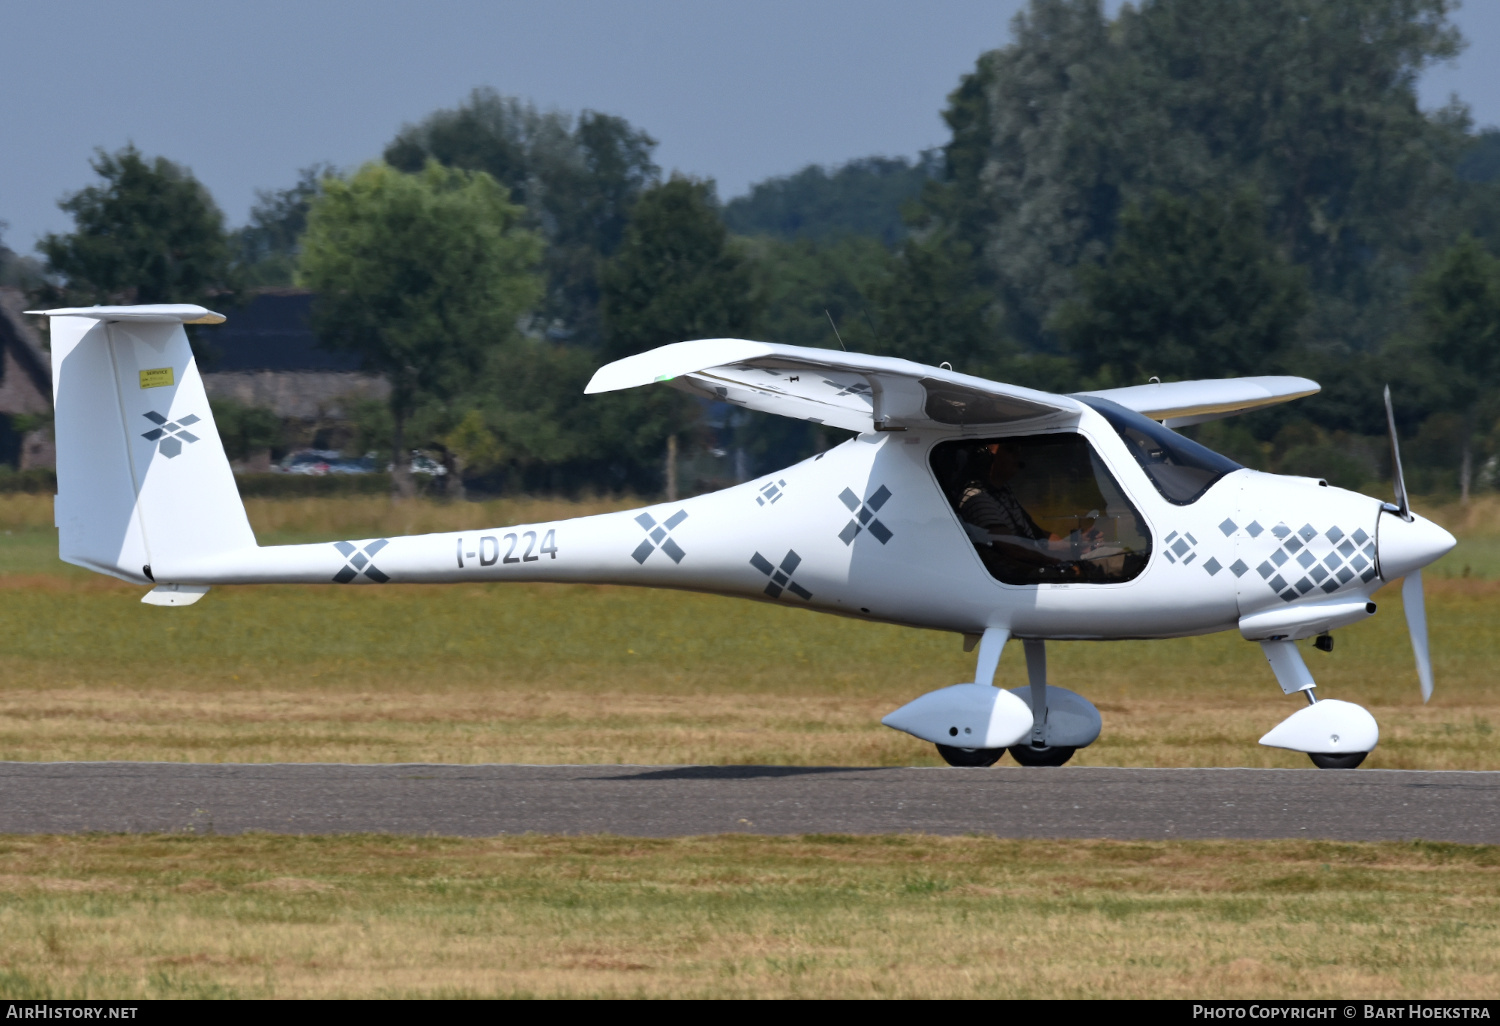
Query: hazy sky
(245,94)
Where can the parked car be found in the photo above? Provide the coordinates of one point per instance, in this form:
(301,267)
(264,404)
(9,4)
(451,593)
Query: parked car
(319,462)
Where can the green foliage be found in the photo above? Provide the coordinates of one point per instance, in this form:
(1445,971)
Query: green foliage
(424,275)
(1459,300)
(1191,289)
(1480,161)
(935,309)
(265,250)
(421,274)
(35,481)
(308,486)
(16,271)
(676,275)
(149,233)
(474,443)
(246,430)
(1311,104)
(577,181)
(863,198)
(803,283)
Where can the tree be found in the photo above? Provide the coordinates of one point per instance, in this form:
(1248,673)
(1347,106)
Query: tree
(676,276)
(1459,300)
(149,233)
(933,309)
(424,275)
(16,271)
(863,198)
(1032,191)
(1191,289)
(265,250)
(802,283)
(577,181)
(1312,104)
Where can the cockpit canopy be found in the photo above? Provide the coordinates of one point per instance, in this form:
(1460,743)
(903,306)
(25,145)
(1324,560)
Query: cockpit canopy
(1180,468)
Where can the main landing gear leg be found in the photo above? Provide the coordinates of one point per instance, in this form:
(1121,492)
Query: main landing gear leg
(1038,752)
(1333,734)
(991,644)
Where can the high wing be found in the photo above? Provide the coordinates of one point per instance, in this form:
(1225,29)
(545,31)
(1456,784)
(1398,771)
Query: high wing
(824,386)
(1183,403)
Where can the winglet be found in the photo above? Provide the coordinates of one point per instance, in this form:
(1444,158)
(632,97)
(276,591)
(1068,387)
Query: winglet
(671,361)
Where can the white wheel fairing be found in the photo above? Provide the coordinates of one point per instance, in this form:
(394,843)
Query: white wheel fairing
(1330,726)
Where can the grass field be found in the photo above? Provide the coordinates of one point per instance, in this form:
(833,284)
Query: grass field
(258,916)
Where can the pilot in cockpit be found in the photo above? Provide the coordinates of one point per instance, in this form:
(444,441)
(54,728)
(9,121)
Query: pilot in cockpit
(992,515)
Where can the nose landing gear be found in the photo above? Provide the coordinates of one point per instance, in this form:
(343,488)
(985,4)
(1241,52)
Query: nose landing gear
(1333,734)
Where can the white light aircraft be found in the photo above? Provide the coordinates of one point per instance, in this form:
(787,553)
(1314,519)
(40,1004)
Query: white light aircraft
(962,505)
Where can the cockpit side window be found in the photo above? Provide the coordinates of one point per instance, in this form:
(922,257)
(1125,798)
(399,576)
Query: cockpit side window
(1180,468)
(1042,508)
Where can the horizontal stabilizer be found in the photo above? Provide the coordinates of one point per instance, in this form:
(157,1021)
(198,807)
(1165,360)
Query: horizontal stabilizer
(1184,403)
(160,313)
(845,390)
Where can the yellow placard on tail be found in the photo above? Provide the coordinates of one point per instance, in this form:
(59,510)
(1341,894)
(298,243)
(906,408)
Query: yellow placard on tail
(157,377)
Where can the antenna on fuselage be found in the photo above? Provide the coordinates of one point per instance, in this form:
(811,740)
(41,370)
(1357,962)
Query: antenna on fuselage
(835,328)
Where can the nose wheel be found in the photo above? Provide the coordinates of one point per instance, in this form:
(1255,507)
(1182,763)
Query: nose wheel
(970,756)
(1330,760)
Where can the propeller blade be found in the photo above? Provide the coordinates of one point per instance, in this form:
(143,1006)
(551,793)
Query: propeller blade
(1416,623)
(1397,477)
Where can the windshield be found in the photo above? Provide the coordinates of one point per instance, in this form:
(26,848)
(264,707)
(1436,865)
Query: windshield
(1180,468)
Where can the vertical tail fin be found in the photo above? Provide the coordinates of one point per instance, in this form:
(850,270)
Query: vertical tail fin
(144,489)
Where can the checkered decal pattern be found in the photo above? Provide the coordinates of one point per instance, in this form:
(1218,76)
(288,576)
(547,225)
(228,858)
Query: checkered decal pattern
(781,577)
(360,561)
(658,536)
(1239,567)
(170,434)
(770,493)
(854,388)
(1180,547)
(864,515)
(1308,559)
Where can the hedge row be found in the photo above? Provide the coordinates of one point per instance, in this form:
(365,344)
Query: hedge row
(305,486)
(39,481)
(261,486)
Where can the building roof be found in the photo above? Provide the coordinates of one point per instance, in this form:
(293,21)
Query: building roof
(23,354)
(273,332)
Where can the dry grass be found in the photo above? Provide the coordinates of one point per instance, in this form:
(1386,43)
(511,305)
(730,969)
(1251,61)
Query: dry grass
(1480,518)
(903,916)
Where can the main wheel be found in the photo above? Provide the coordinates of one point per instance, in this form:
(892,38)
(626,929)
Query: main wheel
(1047,755)
(970,756)
(1328,760)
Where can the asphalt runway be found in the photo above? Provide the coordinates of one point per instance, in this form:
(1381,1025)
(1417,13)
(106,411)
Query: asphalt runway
(664,801)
